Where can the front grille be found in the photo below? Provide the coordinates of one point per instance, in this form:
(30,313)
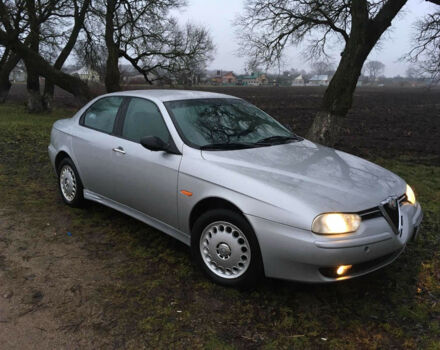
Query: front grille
(370,213)
(389,209)
(392,210)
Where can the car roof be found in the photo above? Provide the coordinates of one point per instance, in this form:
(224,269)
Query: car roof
(171,94)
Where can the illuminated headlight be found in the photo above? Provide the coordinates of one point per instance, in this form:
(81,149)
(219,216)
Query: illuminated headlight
(410,196)
(334,223)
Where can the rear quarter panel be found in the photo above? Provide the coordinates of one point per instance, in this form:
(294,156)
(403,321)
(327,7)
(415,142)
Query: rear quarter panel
(61,137)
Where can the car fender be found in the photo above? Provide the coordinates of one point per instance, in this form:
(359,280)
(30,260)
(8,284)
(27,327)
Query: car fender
(200,190)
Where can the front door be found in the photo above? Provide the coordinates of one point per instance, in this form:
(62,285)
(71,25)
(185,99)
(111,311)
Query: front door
(147,180)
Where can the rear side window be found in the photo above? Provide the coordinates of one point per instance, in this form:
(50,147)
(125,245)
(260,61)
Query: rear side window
(142,119)
(102,114)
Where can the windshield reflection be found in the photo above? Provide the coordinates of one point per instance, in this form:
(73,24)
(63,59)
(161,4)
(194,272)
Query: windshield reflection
(204,122)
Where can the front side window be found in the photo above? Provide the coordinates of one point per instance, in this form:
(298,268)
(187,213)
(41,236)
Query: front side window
(142,119)
(102,114)
(216,122)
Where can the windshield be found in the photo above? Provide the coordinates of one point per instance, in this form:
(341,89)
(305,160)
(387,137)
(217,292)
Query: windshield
(225,123)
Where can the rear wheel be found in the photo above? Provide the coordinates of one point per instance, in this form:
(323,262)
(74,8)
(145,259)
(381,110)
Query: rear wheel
(226,248)
(70,184)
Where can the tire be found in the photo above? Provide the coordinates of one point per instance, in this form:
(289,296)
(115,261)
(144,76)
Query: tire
(225,247)
(69,184)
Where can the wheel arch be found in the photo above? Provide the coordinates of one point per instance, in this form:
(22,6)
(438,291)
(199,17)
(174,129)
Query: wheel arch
(59,157)
(211,203)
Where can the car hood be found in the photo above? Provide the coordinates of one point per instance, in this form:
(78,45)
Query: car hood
(304,173)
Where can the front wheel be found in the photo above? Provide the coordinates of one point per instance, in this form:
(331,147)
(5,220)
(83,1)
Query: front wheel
(226,248)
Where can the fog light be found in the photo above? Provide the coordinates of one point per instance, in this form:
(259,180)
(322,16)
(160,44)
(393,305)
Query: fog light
(342,269)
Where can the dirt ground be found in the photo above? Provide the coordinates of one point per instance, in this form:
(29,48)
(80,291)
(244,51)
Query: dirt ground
(46,288)
(94,278)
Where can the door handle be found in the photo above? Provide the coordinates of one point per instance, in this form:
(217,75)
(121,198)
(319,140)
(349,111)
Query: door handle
(119,150)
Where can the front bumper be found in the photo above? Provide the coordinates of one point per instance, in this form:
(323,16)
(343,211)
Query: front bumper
(295,254)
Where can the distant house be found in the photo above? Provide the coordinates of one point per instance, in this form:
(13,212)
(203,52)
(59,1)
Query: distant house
(299,81)
(217,78)
(86,74)
(18,75)
(255,79)
(319,80)
(229,78)
(224,78)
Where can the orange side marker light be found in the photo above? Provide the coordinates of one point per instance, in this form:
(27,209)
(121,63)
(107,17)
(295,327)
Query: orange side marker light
(186,193)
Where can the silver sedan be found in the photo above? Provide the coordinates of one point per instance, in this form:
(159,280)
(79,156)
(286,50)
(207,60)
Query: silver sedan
(250,197)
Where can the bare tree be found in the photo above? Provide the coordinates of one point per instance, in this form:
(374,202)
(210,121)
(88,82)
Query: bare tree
(145,35)
(67,82)
(192,71)
(373,69)
(38,18)
(268,26)
(77,13)
(252,65)
(41,17)
(92,54)
(426,45)
(9,58)
(322,67)
(140,31)
(413,73)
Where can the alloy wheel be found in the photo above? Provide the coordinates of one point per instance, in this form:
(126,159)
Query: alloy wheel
(68,183)
(225,249)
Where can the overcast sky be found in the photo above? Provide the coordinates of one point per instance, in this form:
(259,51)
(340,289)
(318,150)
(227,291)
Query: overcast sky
(218,15)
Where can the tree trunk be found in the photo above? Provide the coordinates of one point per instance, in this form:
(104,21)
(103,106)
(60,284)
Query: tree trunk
(72,84)
(5,70)
(338,97)
(5,86)
(49,87)
(34,102)
(112,74)
(35,99)
(32,59)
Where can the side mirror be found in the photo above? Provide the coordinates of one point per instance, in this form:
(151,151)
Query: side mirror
(154,143)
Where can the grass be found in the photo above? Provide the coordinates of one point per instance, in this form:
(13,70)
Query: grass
(157,297)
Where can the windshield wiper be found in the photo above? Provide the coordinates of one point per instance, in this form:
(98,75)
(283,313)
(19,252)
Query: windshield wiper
(277,139)
(227,146)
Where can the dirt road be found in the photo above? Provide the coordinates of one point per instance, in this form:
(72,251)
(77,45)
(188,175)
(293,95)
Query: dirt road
(48,287)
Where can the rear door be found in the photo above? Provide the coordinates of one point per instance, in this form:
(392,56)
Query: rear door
(147,180)
(93,145)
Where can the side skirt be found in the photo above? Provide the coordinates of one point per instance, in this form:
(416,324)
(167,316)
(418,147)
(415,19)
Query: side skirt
(161,226)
